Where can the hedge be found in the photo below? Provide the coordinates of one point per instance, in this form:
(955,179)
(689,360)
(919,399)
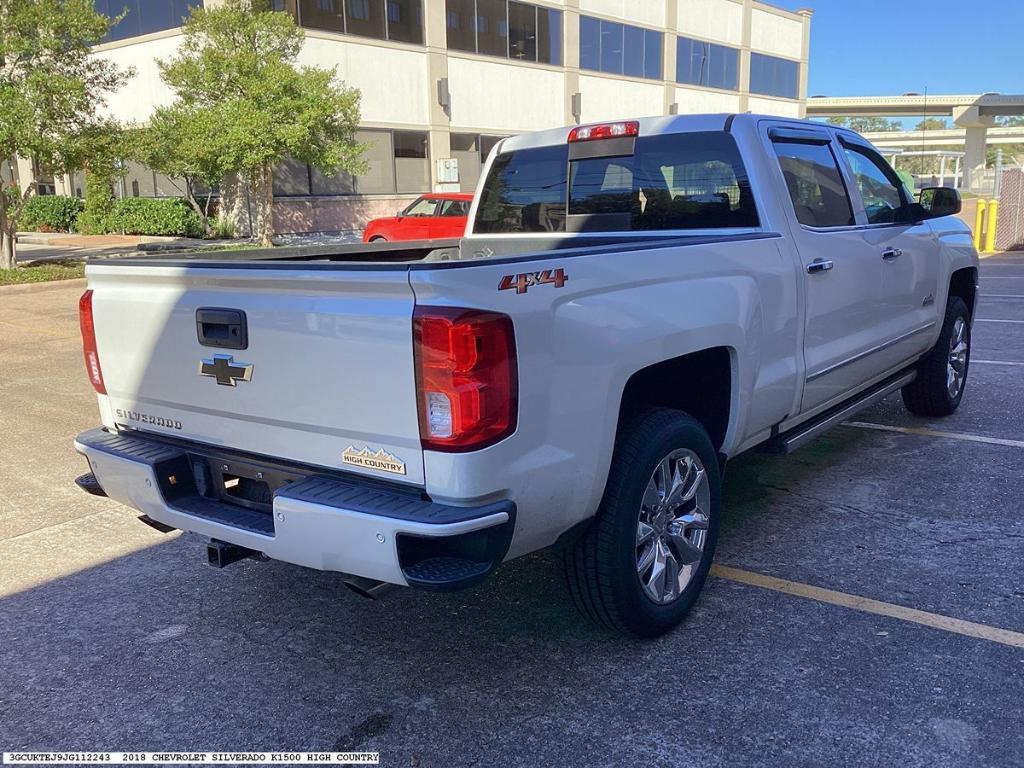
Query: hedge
(155,216)
(50,213)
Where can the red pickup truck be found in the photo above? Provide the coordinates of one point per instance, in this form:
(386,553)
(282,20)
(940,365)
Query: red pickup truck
(430,217)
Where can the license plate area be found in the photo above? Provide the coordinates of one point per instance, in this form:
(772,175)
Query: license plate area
(239,482)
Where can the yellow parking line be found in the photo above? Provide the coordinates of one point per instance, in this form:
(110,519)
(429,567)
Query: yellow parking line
(936,433)
(867,605)
(37,329)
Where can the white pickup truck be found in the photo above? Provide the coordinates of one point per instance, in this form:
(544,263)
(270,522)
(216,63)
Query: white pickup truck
(633,304)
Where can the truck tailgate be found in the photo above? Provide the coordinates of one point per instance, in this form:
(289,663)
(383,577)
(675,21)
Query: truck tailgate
(331,381)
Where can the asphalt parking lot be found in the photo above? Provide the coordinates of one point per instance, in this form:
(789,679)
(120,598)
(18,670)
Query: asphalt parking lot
(113,636)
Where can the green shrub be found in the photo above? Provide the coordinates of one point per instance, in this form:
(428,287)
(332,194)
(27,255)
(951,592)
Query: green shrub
(99,205)
(50,213)
(223,227)
(155,216)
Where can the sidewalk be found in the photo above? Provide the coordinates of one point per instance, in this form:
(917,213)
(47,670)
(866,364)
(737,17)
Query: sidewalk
(37,247)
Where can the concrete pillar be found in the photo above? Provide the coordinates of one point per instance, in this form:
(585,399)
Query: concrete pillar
(744,61)
(26,173)
(439,133)
(976,128)
(570,57)
(668,54)
(805,57)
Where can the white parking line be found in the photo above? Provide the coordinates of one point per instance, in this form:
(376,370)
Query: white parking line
(1002,296)
(990,320)
(936,433)
(993,362)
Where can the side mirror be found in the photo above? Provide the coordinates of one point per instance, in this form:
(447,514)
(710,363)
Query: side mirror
(939,201)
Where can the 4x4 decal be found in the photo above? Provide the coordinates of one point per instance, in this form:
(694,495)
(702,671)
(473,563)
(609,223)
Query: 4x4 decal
(523,281)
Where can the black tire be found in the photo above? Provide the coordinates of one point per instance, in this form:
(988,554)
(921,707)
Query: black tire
(601,566)
(378,239)
(928,394)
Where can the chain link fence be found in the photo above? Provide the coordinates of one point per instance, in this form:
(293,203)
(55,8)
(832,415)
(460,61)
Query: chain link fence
(1010,218)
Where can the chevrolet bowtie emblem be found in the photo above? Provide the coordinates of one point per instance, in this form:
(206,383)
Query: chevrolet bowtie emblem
(225,370)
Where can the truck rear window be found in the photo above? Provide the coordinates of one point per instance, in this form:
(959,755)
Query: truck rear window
(671,181)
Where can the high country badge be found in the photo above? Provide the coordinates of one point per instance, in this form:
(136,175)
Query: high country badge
(381,460)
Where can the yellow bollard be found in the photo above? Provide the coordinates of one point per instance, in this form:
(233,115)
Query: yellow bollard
(990,227)
(979,222)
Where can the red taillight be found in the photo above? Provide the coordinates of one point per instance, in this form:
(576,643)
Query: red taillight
(604,131)
(465,377)
(92,355)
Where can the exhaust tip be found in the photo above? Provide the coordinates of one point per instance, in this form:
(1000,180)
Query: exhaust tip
(368,588)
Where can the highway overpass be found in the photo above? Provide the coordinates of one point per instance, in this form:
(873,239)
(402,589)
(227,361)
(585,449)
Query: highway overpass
(973,114)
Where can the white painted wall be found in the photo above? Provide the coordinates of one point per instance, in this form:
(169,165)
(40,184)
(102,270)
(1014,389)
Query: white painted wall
(136,99)
(608,99)
(649,12)
(714,19)
(393,81)
(774,107)
(776,34)
(504,97)
(692,101)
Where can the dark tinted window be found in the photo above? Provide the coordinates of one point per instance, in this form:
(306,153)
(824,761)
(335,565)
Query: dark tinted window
(522,26)
(675,181)
(405,21)
(143,16)
(707,64)
(492,27)
(460,25)
(507,29)
(815,185)
(525,192)
(323,14)
(366,18)
(549,36)
(773,76)
(619,49)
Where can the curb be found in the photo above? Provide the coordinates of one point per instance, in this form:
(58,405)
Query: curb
(50,285)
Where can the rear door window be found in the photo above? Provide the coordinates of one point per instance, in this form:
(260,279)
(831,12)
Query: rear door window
(454,208)
(815,185)
(671,181)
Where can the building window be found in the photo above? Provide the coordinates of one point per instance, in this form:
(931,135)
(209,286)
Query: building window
(505,28)
(707,64)
(398,163)
(471,150)
(141,17)
(397,20)
(620,49)
(773,76)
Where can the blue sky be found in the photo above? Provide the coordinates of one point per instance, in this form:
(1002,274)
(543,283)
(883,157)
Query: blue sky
(876,47)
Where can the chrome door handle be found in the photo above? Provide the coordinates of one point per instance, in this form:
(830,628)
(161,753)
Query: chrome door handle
(819,265)
(892,253)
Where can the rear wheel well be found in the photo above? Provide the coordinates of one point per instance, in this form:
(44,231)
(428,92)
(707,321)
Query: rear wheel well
(964,283)
(699,383)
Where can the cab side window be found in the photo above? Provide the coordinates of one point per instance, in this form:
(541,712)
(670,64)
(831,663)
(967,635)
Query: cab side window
(880,188)
(815,185)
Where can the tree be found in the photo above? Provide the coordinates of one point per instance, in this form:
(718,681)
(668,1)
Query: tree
(175,143)
(50,88)
(932,124)
(865,124)
(242,97)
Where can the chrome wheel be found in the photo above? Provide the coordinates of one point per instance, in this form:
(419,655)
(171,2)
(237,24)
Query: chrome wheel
(956,367)
(673,525)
